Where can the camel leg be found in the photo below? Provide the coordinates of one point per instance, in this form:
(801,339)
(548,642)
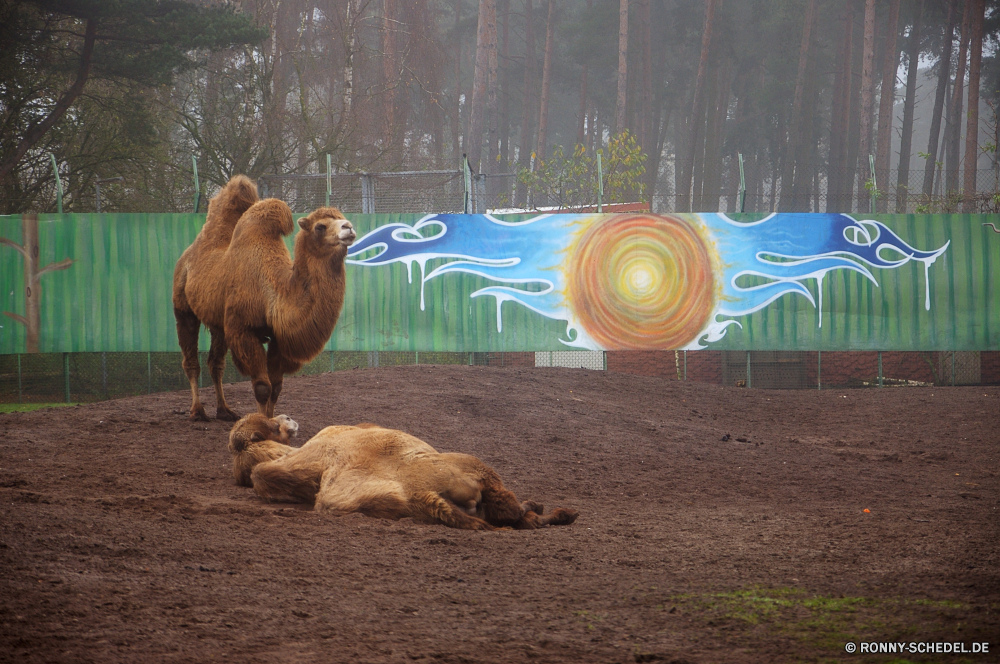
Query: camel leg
(430,507)
(217,366)
(279,481)
(187,335)
(277,367)
(250,360)
(501,508)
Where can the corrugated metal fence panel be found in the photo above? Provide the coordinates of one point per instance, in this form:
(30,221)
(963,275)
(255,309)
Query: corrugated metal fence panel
(964,295)
(116,296)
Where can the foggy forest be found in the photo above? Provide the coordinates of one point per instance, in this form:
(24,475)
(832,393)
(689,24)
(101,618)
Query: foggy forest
(693,105)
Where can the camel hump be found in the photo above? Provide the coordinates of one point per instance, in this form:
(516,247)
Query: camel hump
(227,206)
(270,217)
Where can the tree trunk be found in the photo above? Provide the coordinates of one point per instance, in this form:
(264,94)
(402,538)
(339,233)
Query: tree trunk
(944,72)
(456,118)
(867,99)
(853,126)
(953,131)
(716,124)
(909,101)
(697,113)
(504,9)
(972,126)
(543,113)
(492,108)
(806,162)
(527,103)
(890,63)
(390,77)
(646,136)
(840,114)
(622,65)
(477,119)
(795,133)
(703,129)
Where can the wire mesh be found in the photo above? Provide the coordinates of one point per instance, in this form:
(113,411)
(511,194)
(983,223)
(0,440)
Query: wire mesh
(87,377)
(829,190)
(409,191)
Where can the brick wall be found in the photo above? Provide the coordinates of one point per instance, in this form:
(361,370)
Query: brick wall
(643,362)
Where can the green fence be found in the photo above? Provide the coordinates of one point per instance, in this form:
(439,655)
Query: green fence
(115,295)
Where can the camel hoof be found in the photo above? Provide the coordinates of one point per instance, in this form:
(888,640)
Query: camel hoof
(562,517)
(226,415)
(198,415)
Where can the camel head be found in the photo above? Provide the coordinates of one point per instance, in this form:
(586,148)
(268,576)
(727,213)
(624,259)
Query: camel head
(327,231)
(256,428)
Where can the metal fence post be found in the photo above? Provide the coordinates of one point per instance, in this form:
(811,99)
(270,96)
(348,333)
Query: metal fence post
(59,191)
(685,365)
(874,192)
(97,186)
(467,184)
(66,374)
(367,194)
(20,398)
(329,181)
(479,203)
(743,186)
(600,184)
(197,187)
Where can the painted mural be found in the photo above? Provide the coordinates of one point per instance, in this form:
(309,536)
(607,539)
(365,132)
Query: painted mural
(643,281)
(457,283)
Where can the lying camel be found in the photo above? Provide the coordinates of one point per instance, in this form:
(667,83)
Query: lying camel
(378,472)
(249,293)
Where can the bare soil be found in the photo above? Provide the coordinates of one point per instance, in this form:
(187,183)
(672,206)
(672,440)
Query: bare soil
(717,524)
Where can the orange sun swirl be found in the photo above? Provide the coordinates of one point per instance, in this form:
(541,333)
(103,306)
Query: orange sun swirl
(641,282)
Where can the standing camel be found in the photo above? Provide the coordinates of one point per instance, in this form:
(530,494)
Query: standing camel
(198,295)
(252,293)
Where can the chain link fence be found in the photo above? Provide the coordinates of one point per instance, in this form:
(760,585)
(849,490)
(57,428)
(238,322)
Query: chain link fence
(828,190)
(88,377)
(420,192)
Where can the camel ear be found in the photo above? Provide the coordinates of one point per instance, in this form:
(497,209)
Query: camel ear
(304,223)
(256,437)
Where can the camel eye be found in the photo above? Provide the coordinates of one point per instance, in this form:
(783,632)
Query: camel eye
(320,228)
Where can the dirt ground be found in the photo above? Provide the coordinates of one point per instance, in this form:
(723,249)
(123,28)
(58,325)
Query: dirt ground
(717,524)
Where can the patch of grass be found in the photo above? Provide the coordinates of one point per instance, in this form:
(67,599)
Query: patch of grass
(28,407)
(823,621)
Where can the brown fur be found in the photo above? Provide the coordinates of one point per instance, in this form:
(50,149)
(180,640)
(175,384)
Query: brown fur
(196,293)
(385,473)
(250,293)
(255,439)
